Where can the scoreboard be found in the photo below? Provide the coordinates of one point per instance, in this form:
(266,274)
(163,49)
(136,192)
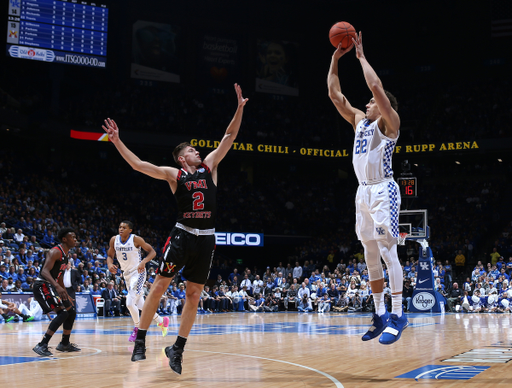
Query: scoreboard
(62,31)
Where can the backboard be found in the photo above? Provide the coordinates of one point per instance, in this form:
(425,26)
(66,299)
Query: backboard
(414,223)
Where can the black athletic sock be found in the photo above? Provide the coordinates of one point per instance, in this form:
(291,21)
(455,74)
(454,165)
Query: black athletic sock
(141,334)
(46,338)
(180,343)
(65,339)
(5,316)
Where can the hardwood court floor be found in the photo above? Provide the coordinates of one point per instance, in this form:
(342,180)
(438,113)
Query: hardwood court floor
(269,350)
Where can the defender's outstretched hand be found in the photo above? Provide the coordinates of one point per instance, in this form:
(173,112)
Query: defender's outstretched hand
(358,43)
(339,52)
(112,130)
(241,99)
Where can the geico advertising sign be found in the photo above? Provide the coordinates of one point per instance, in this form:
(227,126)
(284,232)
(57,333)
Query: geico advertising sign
(239,239)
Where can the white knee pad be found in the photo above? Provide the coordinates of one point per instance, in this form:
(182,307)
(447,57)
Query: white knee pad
(388,251)
(372,257)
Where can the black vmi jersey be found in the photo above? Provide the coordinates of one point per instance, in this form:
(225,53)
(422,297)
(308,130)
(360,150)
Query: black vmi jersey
(59,266)
(196,196)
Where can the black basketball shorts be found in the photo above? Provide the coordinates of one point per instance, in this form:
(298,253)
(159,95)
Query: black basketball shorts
(192,253)
(48,297)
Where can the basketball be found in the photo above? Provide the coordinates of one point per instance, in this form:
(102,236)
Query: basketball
(342,32)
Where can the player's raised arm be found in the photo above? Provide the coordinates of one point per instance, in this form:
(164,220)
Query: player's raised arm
(349,113)
(215,157)
(391,120)
(110,256)
(139,242)
(158,172)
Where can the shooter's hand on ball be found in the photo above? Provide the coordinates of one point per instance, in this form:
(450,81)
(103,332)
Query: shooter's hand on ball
(339,52)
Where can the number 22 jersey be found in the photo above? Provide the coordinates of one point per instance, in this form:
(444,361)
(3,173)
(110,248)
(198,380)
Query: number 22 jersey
(196,196)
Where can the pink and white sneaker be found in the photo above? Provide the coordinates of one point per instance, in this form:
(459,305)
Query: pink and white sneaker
(133,336)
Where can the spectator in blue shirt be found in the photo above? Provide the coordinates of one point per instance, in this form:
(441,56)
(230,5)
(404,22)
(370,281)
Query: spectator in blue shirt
(21,274)
(12,274)
(96,290)
(48,240)
(181,293)
(232,275)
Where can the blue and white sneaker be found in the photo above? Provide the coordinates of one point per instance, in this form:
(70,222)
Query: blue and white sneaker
(379,323)
(394,330)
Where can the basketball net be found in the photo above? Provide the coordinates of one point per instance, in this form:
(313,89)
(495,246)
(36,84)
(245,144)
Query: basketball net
(401,238)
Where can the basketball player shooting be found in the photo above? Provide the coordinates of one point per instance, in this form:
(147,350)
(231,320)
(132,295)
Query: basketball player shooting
(192,241)
(378,197)
(126,247)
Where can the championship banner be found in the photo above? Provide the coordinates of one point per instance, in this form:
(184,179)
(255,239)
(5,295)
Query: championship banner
(277,67)
(154,52)
(84,303)
(219,61)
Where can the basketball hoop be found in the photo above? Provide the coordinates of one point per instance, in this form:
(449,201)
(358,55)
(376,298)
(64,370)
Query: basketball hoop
(401,238)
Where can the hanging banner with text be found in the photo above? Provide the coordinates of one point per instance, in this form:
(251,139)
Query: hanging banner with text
(154,52)
(277,67)
(219,61)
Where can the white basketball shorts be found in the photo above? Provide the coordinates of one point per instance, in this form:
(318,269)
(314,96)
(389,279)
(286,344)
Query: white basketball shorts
(377,208)
(135,283)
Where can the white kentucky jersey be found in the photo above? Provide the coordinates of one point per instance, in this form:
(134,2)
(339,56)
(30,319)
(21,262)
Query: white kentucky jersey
(127,254)
(372,153)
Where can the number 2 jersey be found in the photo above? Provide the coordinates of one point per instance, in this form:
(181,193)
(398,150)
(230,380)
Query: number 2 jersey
(372,153)
(196,196)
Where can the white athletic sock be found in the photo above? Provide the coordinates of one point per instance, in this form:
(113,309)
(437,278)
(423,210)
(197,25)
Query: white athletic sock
(378,299)
(158,318)
(396,305)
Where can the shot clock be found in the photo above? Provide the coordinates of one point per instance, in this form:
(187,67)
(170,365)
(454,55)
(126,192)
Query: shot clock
(408,187)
